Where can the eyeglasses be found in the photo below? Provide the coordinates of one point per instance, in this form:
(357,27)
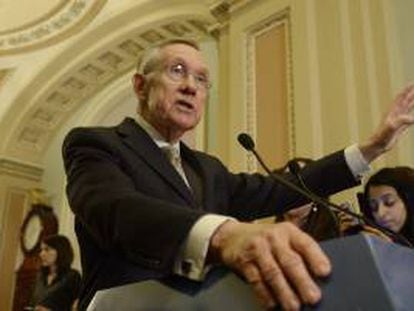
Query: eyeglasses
(179,72)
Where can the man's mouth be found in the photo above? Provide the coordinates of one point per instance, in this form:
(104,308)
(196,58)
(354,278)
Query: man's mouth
(183,103)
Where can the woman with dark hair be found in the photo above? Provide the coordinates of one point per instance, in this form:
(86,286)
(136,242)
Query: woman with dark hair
(57,285)
(389,200)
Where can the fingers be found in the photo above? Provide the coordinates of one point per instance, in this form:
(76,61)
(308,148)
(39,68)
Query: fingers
(401,115)
(316,259)
(298,259)
(405,100)
(394,123)
(278,267)
(409,94)
(405,92)
(269,282)
(255,279)
(409,98)
(396,120)
(276,279)
(408,90)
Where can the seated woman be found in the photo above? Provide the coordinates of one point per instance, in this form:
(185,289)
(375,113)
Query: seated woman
(57,285)
(389,200)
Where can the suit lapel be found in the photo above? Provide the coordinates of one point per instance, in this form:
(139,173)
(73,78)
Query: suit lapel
(142,144)
(196,174)
(207,176)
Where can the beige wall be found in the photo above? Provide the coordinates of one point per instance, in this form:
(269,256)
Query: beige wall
(342,73)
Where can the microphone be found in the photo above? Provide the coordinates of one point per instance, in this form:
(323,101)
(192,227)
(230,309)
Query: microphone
(246,141)
(248,144)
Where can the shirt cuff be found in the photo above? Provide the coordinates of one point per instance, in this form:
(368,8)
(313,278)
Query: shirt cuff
(356,161)
(191,260)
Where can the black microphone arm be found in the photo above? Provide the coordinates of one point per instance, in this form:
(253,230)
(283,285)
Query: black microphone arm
(294,168)
(248,144)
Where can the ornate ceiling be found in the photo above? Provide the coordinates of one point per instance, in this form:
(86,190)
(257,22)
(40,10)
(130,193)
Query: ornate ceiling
(45,23)
(62,52)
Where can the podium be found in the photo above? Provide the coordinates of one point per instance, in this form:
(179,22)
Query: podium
(368,274)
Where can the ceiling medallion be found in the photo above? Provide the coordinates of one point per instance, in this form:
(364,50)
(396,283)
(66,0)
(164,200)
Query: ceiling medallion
(64,23)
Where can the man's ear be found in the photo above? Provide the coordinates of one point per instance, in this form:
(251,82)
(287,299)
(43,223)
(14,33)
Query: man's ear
(139,83)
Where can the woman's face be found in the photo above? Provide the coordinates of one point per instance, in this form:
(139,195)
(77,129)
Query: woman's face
(388,209)
(48,255)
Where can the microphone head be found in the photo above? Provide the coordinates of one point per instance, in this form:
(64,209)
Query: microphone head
(294,167)
(246,141)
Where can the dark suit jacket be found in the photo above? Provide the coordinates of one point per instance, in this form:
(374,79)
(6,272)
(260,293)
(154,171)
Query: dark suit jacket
(133,210)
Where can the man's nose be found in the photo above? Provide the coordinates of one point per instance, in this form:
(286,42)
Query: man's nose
(189,85)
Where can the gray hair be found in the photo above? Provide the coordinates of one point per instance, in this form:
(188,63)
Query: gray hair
(151,57)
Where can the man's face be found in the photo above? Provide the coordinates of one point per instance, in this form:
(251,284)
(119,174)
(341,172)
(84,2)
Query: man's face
(177,91)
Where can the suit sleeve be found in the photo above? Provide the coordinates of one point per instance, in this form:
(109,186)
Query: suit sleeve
(255,196)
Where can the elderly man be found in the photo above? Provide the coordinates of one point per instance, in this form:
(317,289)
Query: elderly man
(149,207)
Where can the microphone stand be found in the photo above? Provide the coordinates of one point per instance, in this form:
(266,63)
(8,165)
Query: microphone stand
(247,143)
(294,168)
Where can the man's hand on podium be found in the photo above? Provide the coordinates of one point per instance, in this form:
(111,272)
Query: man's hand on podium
(278,261)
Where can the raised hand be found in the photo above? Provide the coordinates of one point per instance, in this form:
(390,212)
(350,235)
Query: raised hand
(397,119)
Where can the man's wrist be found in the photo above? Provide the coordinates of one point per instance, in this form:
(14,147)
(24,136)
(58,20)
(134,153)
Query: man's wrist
(370,151)
(375,146)
(218,239)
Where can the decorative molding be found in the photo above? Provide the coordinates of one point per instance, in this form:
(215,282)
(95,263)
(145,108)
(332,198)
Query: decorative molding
(60,23)
(251,94)
(239,4)
(21,170)
(53,106)
(281,17)
(221,8)
(221,12)
(290,85)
